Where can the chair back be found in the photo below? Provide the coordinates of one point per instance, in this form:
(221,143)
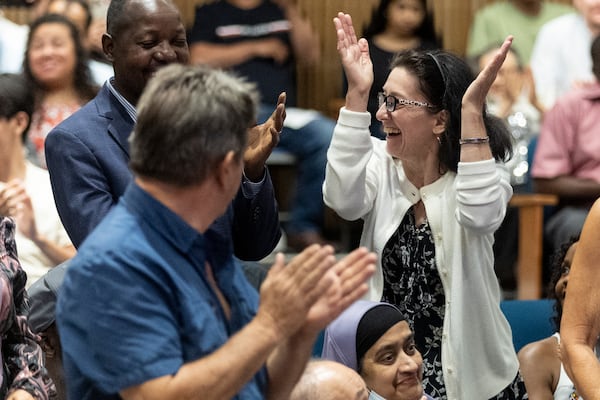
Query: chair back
(530,320)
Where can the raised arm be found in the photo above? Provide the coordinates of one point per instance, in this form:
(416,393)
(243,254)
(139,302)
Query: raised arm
(305,40)
(472,126)
(356,61)
(580,324)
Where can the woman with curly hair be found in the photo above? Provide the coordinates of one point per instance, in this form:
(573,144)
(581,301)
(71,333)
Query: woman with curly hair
(541,365)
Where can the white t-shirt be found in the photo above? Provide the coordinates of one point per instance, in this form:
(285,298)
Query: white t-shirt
(33,261)
(13,39)
(561,57)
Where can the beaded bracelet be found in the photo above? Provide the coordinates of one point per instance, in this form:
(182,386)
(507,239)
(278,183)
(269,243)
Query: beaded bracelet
(475,140)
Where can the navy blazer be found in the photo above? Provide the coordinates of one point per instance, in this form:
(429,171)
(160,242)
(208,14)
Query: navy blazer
(87,157)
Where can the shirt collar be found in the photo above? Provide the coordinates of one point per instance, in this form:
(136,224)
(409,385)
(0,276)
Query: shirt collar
(126,104)
(170,225)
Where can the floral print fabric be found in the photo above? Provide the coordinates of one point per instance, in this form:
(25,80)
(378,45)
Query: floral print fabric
(412,283)
(22,357)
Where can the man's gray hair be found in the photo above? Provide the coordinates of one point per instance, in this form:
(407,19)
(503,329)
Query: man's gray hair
(189,118)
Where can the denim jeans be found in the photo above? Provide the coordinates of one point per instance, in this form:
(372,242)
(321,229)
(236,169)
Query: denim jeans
(309,145)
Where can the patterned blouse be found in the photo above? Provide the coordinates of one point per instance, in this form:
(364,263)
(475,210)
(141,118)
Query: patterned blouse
(413,284)
(20,353)
(43,121)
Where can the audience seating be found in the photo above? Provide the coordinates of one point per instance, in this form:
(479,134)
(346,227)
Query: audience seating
(530,320)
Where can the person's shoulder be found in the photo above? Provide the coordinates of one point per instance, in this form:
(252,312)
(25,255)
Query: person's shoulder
(595,210)
(571,101)
(491,10)
(35,174)
(557,8)
(543,350)
(86,119)
(561,25)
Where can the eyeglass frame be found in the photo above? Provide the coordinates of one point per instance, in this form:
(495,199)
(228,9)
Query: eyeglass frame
(392,103)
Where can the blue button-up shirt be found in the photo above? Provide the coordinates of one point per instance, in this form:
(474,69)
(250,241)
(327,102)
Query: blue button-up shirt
(136,303)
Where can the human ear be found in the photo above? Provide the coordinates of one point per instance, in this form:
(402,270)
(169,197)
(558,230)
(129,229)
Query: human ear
(229,170)
(20,121)
(440,123)
(108,46)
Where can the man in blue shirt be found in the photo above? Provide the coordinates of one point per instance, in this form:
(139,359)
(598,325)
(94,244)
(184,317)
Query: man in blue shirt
(154,304)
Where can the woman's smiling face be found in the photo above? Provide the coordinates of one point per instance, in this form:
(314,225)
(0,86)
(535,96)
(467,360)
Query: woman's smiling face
(409,129)
(52,55)
(393,367)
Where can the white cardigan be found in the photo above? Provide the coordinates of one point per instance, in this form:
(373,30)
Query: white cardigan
(464,210)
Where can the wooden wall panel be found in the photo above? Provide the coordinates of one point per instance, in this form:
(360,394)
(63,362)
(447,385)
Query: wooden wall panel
(320,83)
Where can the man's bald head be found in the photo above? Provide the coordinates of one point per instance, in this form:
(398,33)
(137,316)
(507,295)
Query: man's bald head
(329,380)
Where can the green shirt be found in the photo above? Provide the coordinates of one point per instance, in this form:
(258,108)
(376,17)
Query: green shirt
(493,23)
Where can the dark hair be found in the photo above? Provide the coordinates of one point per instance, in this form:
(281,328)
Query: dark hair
(83,82)
(189,118)
(595,51)
(379,21)
(443,79)
(86,7)
(15,96)
(116,16)
(556,271)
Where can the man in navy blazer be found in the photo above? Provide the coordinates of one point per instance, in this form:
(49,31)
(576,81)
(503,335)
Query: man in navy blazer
(88,154)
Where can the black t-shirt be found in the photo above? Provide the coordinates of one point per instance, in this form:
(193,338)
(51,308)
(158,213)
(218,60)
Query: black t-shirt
(223,23)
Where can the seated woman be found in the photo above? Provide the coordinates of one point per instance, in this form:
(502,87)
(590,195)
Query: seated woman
(541,366)
(375,340)
(24,376)
(56,66)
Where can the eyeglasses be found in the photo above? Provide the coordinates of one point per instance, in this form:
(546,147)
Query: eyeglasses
(393,103)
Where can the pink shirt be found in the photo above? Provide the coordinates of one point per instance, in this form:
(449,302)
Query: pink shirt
(569,141)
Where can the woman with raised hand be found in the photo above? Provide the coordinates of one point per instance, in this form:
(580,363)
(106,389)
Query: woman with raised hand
(431,196)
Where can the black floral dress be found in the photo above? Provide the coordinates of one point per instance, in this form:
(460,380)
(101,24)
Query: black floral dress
(413,284)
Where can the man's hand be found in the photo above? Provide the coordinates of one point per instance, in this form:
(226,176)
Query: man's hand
(313,289)
(272,48)
(348,278)
(290,291)
(262,139)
